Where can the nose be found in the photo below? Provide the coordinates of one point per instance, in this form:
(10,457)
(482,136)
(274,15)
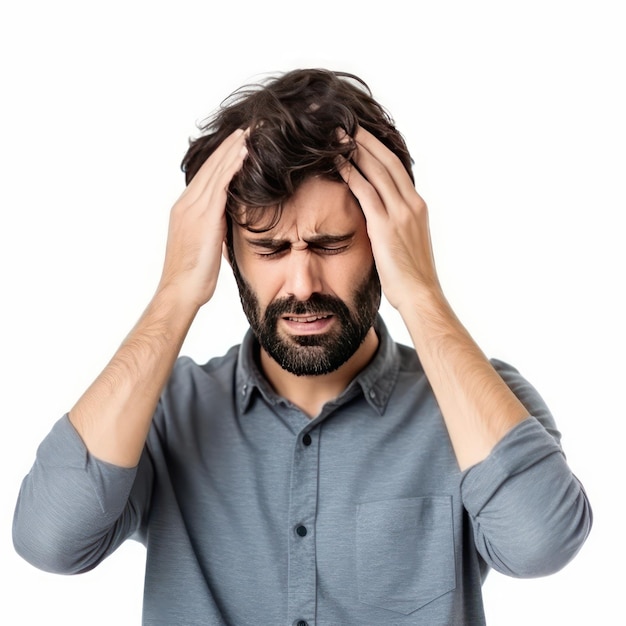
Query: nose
(303,275)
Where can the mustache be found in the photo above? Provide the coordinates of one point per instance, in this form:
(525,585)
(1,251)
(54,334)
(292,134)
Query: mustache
(316,304)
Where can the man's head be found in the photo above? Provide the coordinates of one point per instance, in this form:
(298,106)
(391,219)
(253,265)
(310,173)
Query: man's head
(289,195)
(294,120)
(308,285)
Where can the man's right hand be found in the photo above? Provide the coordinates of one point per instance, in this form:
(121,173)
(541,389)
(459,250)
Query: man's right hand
(113,416)
(197,226)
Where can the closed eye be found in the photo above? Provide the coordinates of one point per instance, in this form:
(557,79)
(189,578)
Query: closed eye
(327,245)
(273,252)
(328,250)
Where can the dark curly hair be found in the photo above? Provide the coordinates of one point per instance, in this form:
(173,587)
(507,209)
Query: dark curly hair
(293,120)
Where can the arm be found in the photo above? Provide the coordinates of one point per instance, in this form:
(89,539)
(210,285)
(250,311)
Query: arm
(529,512)
(477,406)
(90,482)
(114,414)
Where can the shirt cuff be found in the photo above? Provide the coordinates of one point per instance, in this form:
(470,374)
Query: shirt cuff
(64,449)
(525,445)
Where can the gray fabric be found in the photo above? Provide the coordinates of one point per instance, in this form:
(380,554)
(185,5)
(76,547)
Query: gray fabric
(395,533)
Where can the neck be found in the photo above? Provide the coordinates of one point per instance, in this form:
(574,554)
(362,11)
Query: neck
(310,393)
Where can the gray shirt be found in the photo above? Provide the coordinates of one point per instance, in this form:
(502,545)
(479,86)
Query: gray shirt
(252,513)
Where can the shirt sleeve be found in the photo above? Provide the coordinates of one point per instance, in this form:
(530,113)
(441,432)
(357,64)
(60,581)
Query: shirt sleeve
(530,514)
(73,509)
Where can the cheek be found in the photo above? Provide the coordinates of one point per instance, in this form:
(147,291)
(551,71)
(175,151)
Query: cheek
(264,280)
(355,269)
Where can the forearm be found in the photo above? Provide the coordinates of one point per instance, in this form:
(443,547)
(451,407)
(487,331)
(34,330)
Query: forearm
(113,416)
(477,406)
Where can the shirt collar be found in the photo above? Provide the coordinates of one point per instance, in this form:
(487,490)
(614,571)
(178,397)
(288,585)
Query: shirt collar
(376,380)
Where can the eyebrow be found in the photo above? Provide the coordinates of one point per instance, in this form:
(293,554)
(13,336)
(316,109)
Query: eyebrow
(314,240)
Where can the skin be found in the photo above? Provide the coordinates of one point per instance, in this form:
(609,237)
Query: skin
(114,414)
(477,406)
(320,245)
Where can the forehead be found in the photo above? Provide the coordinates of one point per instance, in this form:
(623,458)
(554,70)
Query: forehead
(319,205)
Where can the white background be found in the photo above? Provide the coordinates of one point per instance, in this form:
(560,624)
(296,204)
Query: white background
(515,115)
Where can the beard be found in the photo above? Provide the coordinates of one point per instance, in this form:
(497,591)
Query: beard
(313,355)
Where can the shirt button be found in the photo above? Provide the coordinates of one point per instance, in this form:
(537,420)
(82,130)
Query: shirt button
(301,531)
(300,622)
(244,389)
(306,440)
(372,394)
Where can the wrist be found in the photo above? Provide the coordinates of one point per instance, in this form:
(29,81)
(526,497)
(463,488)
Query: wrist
(425,302)
(173,306)
(178,295)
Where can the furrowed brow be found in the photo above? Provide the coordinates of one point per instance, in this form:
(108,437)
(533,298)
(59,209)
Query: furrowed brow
(316,240)
(268,243)
(325,240)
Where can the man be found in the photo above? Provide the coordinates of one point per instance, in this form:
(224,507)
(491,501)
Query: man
(319,473)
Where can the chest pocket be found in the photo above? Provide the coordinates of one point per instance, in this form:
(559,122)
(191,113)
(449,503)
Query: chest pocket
(405,552)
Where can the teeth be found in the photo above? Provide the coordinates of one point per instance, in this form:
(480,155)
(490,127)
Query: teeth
(311,318)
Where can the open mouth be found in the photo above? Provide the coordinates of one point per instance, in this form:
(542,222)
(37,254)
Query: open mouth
(306,320)
(306,324)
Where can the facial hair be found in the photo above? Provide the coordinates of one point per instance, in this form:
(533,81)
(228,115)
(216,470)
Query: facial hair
(313,355)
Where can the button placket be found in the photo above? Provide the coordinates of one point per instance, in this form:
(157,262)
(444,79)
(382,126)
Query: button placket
(302,584)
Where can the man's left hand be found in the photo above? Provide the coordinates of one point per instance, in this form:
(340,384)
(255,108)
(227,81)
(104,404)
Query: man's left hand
(397,219)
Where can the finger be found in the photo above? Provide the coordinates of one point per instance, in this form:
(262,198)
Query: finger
(371,203)
(220,166)
(387,159)
(378,176)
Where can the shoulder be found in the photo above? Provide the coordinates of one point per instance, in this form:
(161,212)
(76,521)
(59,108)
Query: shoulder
(193,394)
(188,369)
(191,380)
(408,360)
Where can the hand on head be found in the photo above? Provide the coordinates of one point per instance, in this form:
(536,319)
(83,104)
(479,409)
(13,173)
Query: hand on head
(197,228)
(396,215)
